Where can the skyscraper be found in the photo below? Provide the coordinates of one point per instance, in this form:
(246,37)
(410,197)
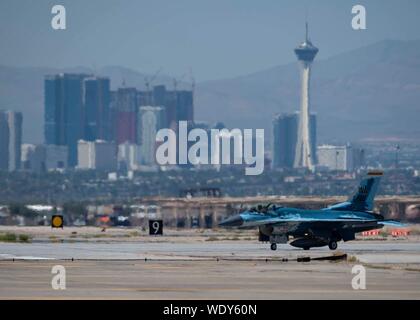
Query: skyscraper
(4,142)
(125,103)
(64,123)
(285,132)
(184,103)
(97,155)
(96,108)
(33,158)
(150,121)
(128,156)
(339,158)
(14,120)
(305,53)
(284,140)
(125,115)
(179,104)
(55,157)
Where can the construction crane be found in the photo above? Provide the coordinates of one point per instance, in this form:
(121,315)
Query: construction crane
(176,81)
(148,81)
(192,82)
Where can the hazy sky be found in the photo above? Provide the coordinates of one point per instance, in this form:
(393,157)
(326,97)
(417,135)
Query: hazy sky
(216,38)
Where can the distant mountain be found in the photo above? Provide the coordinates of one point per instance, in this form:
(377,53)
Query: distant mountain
(371,92)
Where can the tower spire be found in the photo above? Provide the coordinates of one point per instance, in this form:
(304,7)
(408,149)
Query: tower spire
(305,155)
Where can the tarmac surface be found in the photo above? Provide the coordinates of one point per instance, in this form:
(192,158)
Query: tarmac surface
(207,270)
(389,252)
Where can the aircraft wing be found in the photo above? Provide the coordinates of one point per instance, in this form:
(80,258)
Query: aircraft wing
(320,227)
(295,220)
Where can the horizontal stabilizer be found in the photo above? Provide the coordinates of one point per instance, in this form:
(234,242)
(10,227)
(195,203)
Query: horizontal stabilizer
(393,223)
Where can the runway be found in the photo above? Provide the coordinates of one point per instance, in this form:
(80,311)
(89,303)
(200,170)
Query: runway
(365,251)
(206,270)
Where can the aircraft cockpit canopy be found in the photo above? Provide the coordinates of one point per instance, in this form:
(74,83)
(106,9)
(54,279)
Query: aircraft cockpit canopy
(263,209)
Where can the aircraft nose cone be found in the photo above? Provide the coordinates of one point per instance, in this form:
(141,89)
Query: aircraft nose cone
(234,221)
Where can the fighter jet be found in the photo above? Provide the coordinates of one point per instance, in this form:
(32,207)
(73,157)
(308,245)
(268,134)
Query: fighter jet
(317,228)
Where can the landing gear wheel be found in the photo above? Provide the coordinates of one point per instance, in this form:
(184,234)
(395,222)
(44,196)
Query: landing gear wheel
(273,246)
(306,248)
(332,245)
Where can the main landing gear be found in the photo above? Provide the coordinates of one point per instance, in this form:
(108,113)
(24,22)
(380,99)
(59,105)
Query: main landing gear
(332,245)
(273,246)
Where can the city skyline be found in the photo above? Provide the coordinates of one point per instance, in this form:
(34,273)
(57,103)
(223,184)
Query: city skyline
(388,82)
(81,107)
(84,106)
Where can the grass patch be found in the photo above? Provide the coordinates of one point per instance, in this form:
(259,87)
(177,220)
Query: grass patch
(382,267)
(234,238)
(12,237)
(352,259)
(24,238)
(100,235)
(8,237)
(53,238)
(213,239)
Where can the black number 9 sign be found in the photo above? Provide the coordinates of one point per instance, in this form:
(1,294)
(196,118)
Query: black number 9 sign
(155,227)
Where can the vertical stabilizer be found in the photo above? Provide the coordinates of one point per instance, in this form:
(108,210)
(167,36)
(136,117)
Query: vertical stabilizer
(363,199)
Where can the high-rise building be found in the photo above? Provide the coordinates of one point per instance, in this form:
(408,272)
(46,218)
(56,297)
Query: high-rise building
(285,132)
(97,155)
(125,103)
(160,95)
(150,121)
(185,106)
(359,157)
(305,53)
(15,139)
(96,109)
(128,156)
(33,158)
(56,157)
(40,158)
(125,115)
(179,104)
(339,158)
(284,140)
(4,141)
(64,119)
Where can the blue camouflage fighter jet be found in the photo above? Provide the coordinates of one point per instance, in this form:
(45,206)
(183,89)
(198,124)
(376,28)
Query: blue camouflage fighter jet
(316,228)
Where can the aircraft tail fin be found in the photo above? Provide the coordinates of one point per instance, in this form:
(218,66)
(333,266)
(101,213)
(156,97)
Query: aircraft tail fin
(363,199)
